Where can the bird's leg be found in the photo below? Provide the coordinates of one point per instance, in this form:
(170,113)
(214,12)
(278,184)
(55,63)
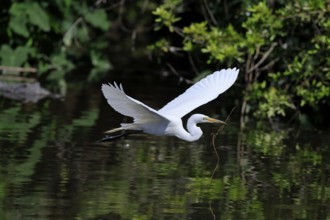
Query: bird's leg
(114,130)
(111,137)
(114,137)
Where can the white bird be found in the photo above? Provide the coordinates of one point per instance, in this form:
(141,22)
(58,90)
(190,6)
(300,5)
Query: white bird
(167,120)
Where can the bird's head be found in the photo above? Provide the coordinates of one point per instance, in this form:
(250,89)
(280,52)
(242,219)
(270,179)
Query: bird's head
(199,118)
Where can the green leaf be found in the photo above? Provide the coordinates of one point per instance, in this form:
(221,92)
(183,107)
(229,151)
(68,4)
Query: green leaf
(101,66)
(99,61)
(38,16)
(68,37)
(60,62)
(17,9)
(5,54)
(96,74)
(82,34)
(21,54)
(17,57)
(18,25)
(18,20)
(98,18)
(56,75)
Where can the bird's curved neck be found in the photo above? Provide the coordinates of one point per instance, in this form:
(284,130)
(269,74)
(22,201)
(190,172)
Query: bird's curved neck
(194,132)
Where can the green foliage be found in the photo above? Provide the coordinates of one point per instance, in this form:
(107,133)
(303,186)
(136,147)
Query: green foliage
(54,36)
(272,101)
(98,18)
(165,14)
(15,57)
(37,16)
(160,47)
(18,19)
(101,66)
(221,45)
(262,26)
(283,49)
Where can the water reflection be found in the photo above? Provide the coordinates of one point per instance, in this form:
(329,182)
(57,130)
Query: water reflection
(51,168)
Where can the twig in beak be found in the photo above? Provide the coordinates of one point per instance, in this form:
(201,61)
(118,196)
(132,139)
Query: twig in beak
(213,142)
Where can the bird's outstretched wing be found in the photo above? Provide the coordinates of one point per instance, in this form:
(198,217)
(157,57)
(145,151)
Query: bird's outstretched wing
(200,93)
(128,106)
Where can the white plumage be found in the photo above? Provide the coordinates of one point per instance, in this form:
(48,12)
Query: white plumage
(167,120)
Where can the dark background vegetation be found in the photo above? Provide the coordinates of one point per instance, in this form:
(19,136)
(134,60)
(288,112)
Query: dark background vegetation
(280,47)
(277,166)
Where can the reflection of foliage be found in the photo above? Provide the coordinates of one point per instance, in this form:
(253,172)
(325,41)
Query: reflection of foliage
(282,47)
(19,129)
(205,188)
(294,169)
(24,137)
(146,177)
(15,127)
(267,143)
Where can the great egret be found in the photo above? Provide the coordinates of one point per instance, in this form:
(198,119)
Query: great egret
(167,120)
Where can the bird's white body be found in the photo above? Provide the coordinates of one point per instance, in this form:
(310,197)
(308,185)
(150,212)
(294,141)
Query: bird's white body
(167,120)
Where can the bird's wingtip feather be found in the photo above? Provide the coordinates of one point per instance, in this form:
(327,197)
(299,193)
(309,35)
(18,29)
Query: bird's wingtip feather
(104,86)
(107,87)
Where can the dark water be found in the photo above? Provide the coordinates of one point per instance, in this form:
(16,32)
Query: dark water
(51,167)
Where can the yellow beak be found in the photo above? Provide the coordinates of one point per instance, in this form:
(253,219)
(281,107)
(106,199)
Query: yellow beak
(213,120)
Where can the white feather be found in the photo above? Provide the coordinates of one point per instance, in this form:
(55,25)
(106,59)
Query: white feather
(126,105)
(201,93)
(167,121)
